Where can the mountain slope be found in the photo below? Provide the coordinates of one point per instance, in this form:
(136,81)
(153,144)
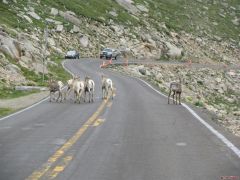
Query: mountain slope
(175,30)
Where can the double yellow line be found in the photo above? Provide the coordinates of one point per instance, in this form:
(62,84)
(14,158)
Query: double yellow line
(47,171)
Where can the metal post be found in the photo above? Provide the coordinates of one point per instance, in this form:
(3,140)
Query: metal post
(45,49)
(98,46)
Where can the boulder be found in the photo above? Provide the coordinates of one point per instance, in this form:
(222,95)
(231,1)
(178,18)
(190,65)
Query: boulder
(142,8)
(51,41)
(28,18)
(10,46)
(34,15)
(144,71)
(71,17)
(236,21)
(173,51)
(84,41)
(218,80)
(59,28)
(75,29)
(5,1)
(54,12)
(127,4)
(113,13)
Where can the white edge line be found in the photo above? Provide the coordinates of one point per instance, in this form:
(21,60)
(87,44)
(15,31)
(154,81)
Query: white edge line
(35,104)
(29,107)
(209,127)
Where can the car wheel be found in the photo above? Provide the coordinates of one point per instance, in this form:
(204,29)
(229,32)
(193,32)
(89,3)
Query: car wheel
(117,57)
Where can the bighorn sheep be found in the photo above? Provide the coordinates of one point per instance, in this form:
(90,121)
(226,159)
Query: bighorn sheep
(55,86)
(176,88)
(89,86)
(77,86)
(107,86)
(69,88)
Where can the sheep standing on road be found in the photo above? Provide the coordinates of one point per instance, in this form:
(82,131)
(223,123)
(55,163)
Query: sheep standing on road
(78,88)
(107,86)
(55,86)
(69,88)
(176,88)
(89,86)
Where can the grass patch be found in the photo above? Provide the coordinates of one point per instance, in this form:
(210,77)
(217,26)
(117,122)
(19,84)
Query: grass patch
(5,111)
(57,71)
(10,92)
(94,9)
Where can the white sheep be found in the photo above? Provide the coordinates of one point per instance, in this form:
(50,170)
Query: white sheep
(78,88)
(89,86)
(69,88)
(107,86)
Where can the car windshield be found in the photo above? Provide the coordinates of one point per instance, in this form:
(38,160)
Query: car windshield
(69,53)
(107,50)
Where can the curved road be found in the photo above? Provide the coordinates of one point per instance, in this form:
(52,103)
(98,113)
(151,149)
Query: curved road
(137,136)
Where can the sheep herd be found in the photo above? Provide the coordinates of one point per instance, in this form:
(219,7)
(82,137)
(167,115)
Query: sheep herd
(80,88)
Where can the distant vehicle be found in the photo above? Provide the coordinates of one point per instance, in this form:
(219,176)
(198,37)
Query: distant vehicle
(109,53)
(72,55)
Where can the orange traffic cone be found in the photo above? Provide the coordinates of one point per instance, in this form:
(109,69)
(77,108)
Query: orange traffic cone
(110,61)
(102,65)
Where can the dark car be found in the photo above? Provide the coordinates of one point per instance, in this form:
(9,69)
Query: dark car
(72,55)
(109,53)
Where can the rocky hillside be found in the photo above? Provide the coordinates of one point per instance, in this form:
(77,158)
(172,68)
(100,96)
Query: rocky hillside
(201,31)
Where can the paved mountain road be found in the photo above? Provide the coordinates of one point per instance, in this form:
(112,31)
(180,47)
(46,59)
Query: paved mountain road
(137,136)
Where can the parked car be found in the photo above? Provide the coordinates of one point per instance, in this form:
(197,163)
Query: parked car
(72,55)
(109,53)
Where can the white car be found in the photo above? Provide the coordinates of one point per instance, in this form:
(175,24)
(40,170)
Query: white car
(72,55)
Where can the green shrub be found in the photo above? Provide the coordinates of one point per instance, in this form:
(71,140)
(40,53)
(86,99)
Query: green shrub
(199,104)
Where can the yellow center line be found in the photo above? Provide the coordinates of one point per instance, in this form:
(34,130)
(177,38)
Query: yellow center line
(60,152)
(98,122)
(60,168)
(109,104)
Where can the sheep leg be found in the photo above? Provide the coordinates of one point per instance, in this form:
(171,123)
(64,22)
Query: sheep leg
(102,93)
(169,95)
(50,97)
(61,96)
(106,93)
(69,90)
(92,95)
(112,93)
(58,96)
(89,96)
(84,96)
(176,98)
(80,95)
(180,98)
(173,97)
(67,93)
(75,96)
(64,95)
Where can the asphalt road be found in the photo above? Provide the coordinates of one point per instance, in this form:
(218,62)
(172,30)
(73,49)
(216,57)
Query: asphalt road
(135,136)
